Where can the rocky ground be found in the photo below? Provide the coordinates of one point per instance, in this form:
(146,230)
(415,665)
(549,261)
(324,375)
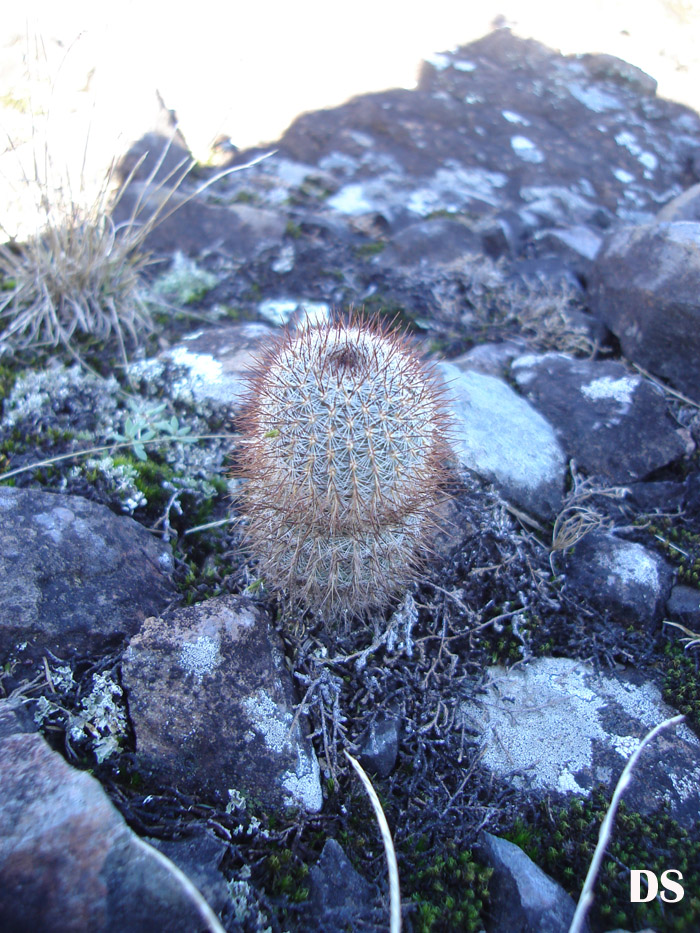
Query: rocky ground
(533,221)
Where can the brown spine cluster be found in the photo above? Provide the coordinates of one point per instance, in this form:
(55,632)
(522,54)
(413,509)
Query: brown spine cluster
(344,446)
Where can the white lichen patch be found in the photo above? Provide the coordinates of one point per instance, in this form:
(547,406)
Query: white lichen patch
(101,718)
(620,390)
(540,724)
(464,64)
(526,150)
(629,563)
(201,657)
(513,117)
(202,366)
(594,98)
(274,724)
(624,176)
(280,310)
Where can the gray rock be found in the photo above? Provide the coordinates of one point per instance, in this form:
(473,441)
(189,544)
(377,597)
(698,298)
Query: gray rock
(340,897)
(207,367)
(645,285)
(68,861)
(684,606)
(621,576)
(500,437)
(199,856)
(685,207)
(74,577)
(212,706)
(438,240)
(612,422)
(380,746)
(574,728)
(523,897)
(491,359)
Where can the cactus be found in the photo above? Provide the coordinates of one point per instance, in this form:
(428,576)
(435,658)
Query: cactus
(344,445)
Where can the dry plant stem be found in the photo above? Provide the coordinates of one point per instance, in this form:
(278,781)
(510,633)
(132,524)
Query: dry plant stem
(394,891)
(606,828)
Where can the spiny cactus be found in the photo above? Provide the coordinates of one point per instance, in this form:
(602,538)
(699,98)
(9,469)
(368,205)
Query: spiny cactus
(344,445)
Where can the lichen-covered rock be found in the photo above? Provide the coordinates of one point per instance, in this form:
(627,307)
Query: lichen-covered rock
(212,706)
(620,576)
(645,285)
(575,728)
(68,861)
(501,437)
(74,577)
(611,421)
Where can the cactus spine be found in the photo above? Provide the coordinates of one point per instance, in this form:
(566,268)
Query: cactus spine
(344,442)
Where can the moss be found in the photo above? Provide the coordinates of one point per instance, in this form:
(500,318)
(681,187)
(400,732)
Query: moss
(682,682)
(368,250)
(450,891)
(561,840)
(293,230)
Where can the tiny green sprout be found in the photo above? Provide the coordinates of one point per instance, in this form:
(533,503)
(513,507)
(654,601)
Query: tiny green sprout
(273,432)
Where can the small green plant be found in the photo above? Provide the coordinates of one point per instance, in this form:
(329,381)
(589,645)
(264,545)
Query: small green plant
(145,425)
(344,450)
(450,893)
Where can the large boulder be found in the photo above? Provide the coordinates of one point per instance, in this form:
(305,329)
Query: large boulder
(645,285)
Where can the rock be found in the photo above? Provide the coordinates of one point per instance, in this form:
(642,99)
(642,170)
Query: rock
(194,226)
(645,285)
(575,728)
(522,896)
(500,436)
(207,368)
(621,576)
(612,422)
(438,240)
(340,897)
(212,706)
(491,359)
(199,856)
(74,577)
(379,747)
(684,606)
(685,207)
(68,861)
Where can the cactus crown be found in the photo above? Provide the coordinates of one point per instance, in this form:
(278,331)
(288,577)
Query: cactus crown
(344,446)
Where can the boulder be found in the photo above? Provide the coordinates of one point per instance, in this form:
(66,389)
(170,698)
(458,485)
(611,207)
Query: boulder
(612,422)
(212,706)
(645,285)
(619,576)
(499,436)
(576,728)
(74,578)
(69,862)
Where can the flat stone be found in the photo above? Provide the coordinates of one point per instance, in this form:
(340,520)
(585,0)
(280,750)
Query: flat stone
(575,728)
(645,284)
(74,578)
(208,366)
(612,422)
(68,861)
(499,436)
(620,576)
(212,706)
(685,207)
(523,897)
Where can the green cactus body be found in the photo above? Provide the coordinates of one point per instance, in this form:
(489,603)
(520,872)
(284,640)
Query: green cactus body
(344,451)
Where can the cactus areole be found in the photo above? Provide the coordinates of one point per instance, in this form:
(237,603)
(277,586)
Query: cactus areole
(344,446)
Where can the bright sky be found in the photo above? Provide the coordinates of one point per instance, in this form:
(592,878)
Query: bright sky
(247,69)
